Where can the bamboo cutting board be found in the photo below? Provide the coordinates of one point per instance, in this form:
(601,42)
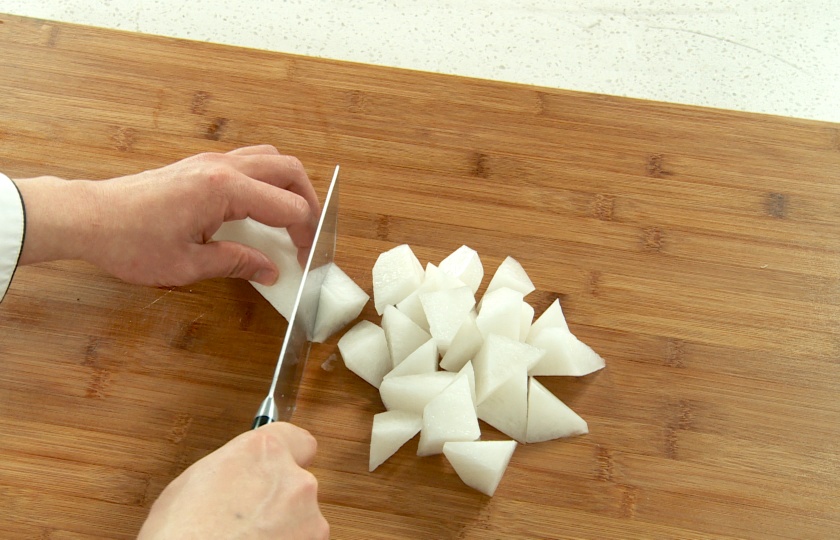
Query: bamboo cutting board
(697,250)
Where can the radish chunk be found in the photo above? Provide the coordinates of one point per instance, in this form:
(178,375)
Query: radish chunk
(422,360)
(498,360)
(403,335)
(564,354)
(510,274)
(433,280)
(365,352)
(469,372)
(390,431)
(465,345)
(527,316)
(552,317)
(340,302)
(275,244)
(465,265)
(413,392)
(450,416)
(396,274)
(480,464)
(501,313)
(549,418)
(506,409)
(446,311)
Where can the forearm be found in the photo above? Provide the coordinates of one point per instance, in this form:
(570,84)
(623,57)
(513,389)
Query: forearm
(60,218)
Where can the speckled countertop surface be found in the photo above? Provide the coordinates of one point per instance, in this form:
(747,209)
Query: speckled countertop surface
(780,57)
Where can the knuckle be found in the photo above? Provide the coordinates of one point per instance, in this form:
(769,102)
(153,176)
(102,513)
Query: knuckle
(294,163)
(308,485)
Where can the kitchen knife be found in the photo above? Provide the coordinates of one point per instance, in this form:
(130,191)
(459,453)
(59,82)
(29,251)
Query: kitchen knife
(279,404)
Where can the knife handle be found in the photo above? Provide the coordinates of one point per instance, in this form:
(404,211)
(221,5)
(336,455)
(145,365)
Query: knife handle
(261,421)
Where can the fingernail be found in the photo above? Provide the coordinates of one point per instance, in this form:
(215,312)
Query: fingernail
(264,277)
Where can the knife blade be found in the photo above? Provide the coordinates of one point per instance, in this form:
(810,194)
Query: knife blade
(279,404)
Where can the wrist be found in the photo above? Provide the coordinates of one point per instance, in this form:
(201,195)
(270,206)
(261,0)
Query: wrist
(61,218)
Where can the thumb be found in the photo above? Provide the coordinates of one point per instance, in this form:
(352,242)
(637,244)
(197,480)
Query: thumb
(231,259)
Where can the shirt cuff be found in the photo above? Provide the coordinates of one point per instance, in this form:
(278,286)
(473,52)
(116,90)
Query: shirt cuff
(12,227)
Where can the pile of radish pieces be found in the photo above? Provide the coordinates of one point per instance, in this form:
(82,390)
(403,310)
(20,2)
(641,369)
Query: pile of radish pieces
(441,360)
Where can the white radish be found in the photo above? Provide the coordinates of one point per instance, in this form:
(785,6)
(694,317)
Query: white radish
(446,310)
(498,360)
(340,302)
(564,354)
(480,464)
(413,392)
(465,265)
(549,418)
(526,317)
(433,280)
(449,416)
(391,430)
(396,274)
(506,408)
(365,352)
(510,274)
(465,345)
(552,317)
(403,334)
(423,360)
(275,244)
(469,372)
(501,313)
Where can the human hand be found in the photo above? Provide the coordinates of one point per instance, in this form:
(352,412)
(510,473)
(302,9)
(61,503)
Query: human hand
(254,487)
(155,227)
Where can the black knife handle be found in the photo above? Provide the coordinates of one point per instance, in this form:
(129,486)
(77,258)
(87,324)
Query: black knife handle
(261,421)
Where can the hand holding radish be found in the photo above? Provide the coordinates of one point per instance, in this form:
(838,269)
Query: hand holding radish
(155,227)
(256,486)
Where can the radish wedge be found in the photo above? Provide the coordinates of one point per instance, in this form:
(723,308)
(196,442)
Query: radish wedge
(391,430)
(549,418)
(365,352)
(480,464)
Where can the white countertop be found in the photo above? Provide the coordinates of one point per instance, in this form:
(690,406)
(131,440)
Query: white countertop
(778,57)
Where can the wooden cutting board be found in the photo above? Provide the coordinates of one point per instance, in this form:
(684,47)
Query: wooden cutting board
(697,250)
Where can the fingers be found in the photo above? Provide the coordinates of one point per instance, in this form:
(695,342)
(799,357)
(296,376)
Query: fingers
(285,172)
(251,150)
(300,443)
(231,259)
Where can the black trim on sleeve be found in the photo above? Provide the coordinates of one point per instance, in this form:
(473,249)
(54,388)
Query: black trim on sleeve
(23,235)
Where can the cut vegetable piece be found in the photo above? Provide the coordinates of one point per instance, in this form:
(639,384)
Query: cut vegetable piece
(340,302)
(403,335)
(506,409)
(498,360)
(465,345)
(275,244)
(525,322)
(446,310)
(465,265)
(549,418)
(365,352)
(469,372)
(501,313)
(413,392)
(433,280)
(564,354)
(423,360)
(450,416)
(391,430)
(510,274)
(396,274)
(552,317)
(480,464)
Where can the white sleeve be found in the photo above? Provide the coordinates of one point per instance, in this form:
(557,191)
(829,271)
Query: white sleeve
(11,231)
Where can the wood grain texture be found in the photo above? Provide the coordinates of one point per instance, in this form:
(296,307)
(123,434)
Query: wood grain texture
(697,250)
